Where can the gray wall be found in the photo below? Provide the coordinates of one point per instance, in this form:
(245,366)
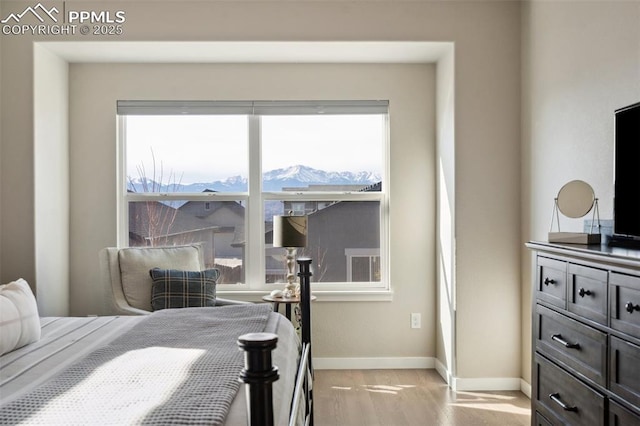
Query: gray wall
(581,61)
(485,121)
(409,89)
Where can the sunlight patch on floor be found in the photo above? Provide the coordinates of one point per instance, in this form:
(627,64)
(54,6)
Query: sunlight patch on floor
(481,395)
(341,387)
(497,406)
(391,389)
(468,400)
(490,402)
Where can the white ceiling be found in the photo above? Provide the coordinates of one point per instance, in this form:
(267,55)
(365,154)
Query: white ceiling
(249,52)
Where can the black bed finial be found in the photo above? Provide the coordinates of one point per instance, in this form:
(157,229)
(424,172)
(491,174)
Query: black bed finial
(258,374)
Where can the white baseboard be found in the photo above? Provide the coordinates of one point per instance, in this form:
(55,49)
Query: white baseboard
(444,372)
(373,363)
(486,384)
(477,384)
(525,388)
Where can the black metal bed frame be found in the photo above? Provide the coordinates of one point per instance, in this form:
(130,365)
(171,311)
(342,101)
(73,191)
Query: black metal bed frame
(259,372)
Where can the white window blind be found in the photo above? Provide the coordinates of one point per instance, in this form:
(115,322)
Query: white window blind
(167,107)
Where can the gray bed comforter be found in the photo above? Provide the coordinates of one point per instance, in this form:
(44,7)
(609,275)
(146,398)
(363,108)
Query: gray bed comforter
(177,366)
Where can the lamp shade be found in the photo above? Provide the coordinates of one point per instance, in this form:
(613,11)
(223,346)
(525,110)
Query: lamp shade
(289,231)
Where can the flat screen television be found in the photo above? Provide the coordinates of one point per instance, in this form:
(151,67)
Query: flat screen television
(626,202)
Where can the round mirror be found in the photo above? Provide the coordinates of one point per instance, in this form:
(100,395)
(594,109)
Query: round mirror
(575,199)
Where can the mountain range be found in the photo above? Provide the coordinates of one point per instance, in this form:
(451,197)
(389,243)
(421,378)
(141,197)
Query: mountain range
(297,176)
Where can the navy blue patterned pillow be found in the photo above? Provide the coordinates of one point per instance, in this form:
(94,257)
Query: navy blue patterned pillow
(183,289)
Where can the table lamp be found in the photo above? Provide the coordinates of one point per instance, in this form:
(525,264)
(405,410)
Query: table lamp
(290,232)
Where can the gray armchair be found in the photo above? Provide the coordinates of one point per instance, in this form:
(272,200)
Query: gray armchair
(126,272)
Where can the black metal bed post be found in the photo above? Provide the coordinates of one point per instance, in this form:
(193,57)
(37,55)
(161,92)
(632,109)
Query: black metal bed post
(258,375)
(304,273)
(304,264)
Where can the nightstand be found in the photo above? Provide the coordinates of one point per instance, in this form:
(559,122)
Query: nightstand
(286,301)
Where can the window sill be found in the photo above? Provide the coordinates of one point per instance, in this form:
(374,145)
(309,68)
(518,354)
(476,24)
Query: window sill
(321,295)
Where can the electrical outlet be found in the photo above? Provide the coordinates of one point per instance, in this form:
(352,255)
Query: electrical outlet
(415,321)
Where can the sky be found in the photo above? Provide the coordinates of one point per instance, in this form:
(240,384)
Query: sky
(330,143)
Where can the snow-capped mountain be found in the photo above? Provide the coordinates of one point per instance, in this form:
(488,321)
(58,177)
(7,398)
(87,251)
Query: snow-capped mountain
(298,176)
(302,176)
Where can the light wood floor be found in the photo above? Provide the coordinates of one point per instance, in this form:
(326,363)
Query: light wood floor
(409,397)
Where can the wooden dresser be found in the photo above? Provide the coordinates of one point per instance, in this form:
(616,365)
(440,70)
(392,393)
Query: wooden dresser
(586,335)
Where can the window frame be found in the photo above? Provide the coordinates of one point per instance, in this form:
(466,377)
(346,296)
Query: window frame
(365,253)
(254,198)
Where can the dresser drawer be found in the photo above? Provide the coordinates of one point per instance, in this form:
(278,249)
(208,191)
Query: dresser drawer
(541,421)
(624,377)
(551,285)
(625,303)
(562,398)
(587,293)
(578,346)
(620,416)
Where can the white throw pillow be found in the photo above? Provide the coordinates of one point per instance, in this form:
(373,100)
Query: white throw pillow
(19,320)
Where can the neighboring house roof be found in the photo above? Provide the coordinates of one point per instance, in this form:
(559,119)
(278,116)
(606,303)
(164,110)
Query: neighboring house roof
(374,187)
(323,187)
(169,221)
(234,206)
(350,187)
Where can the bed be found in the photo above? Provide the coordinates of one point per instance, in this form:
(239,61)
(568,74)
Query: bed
(174,366)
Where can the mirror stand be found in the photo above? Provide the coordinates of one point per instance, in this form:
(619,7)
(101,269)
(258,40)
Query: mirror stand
(577,200)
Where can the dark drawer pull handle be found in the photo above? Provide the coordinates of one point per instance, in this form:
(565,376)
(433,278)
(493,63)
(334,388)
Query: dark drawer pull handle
(582,292)
(558,338)
(548,281)
(555,397)
(630,307)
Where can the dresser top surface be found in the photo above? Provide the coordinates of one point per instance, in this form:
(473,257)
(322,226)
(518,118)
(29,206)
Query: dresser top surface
(618,255)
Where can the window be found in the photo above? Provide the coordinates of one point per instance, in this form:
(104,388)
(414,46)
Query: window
(296,209)
(363,265)
(217,172)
